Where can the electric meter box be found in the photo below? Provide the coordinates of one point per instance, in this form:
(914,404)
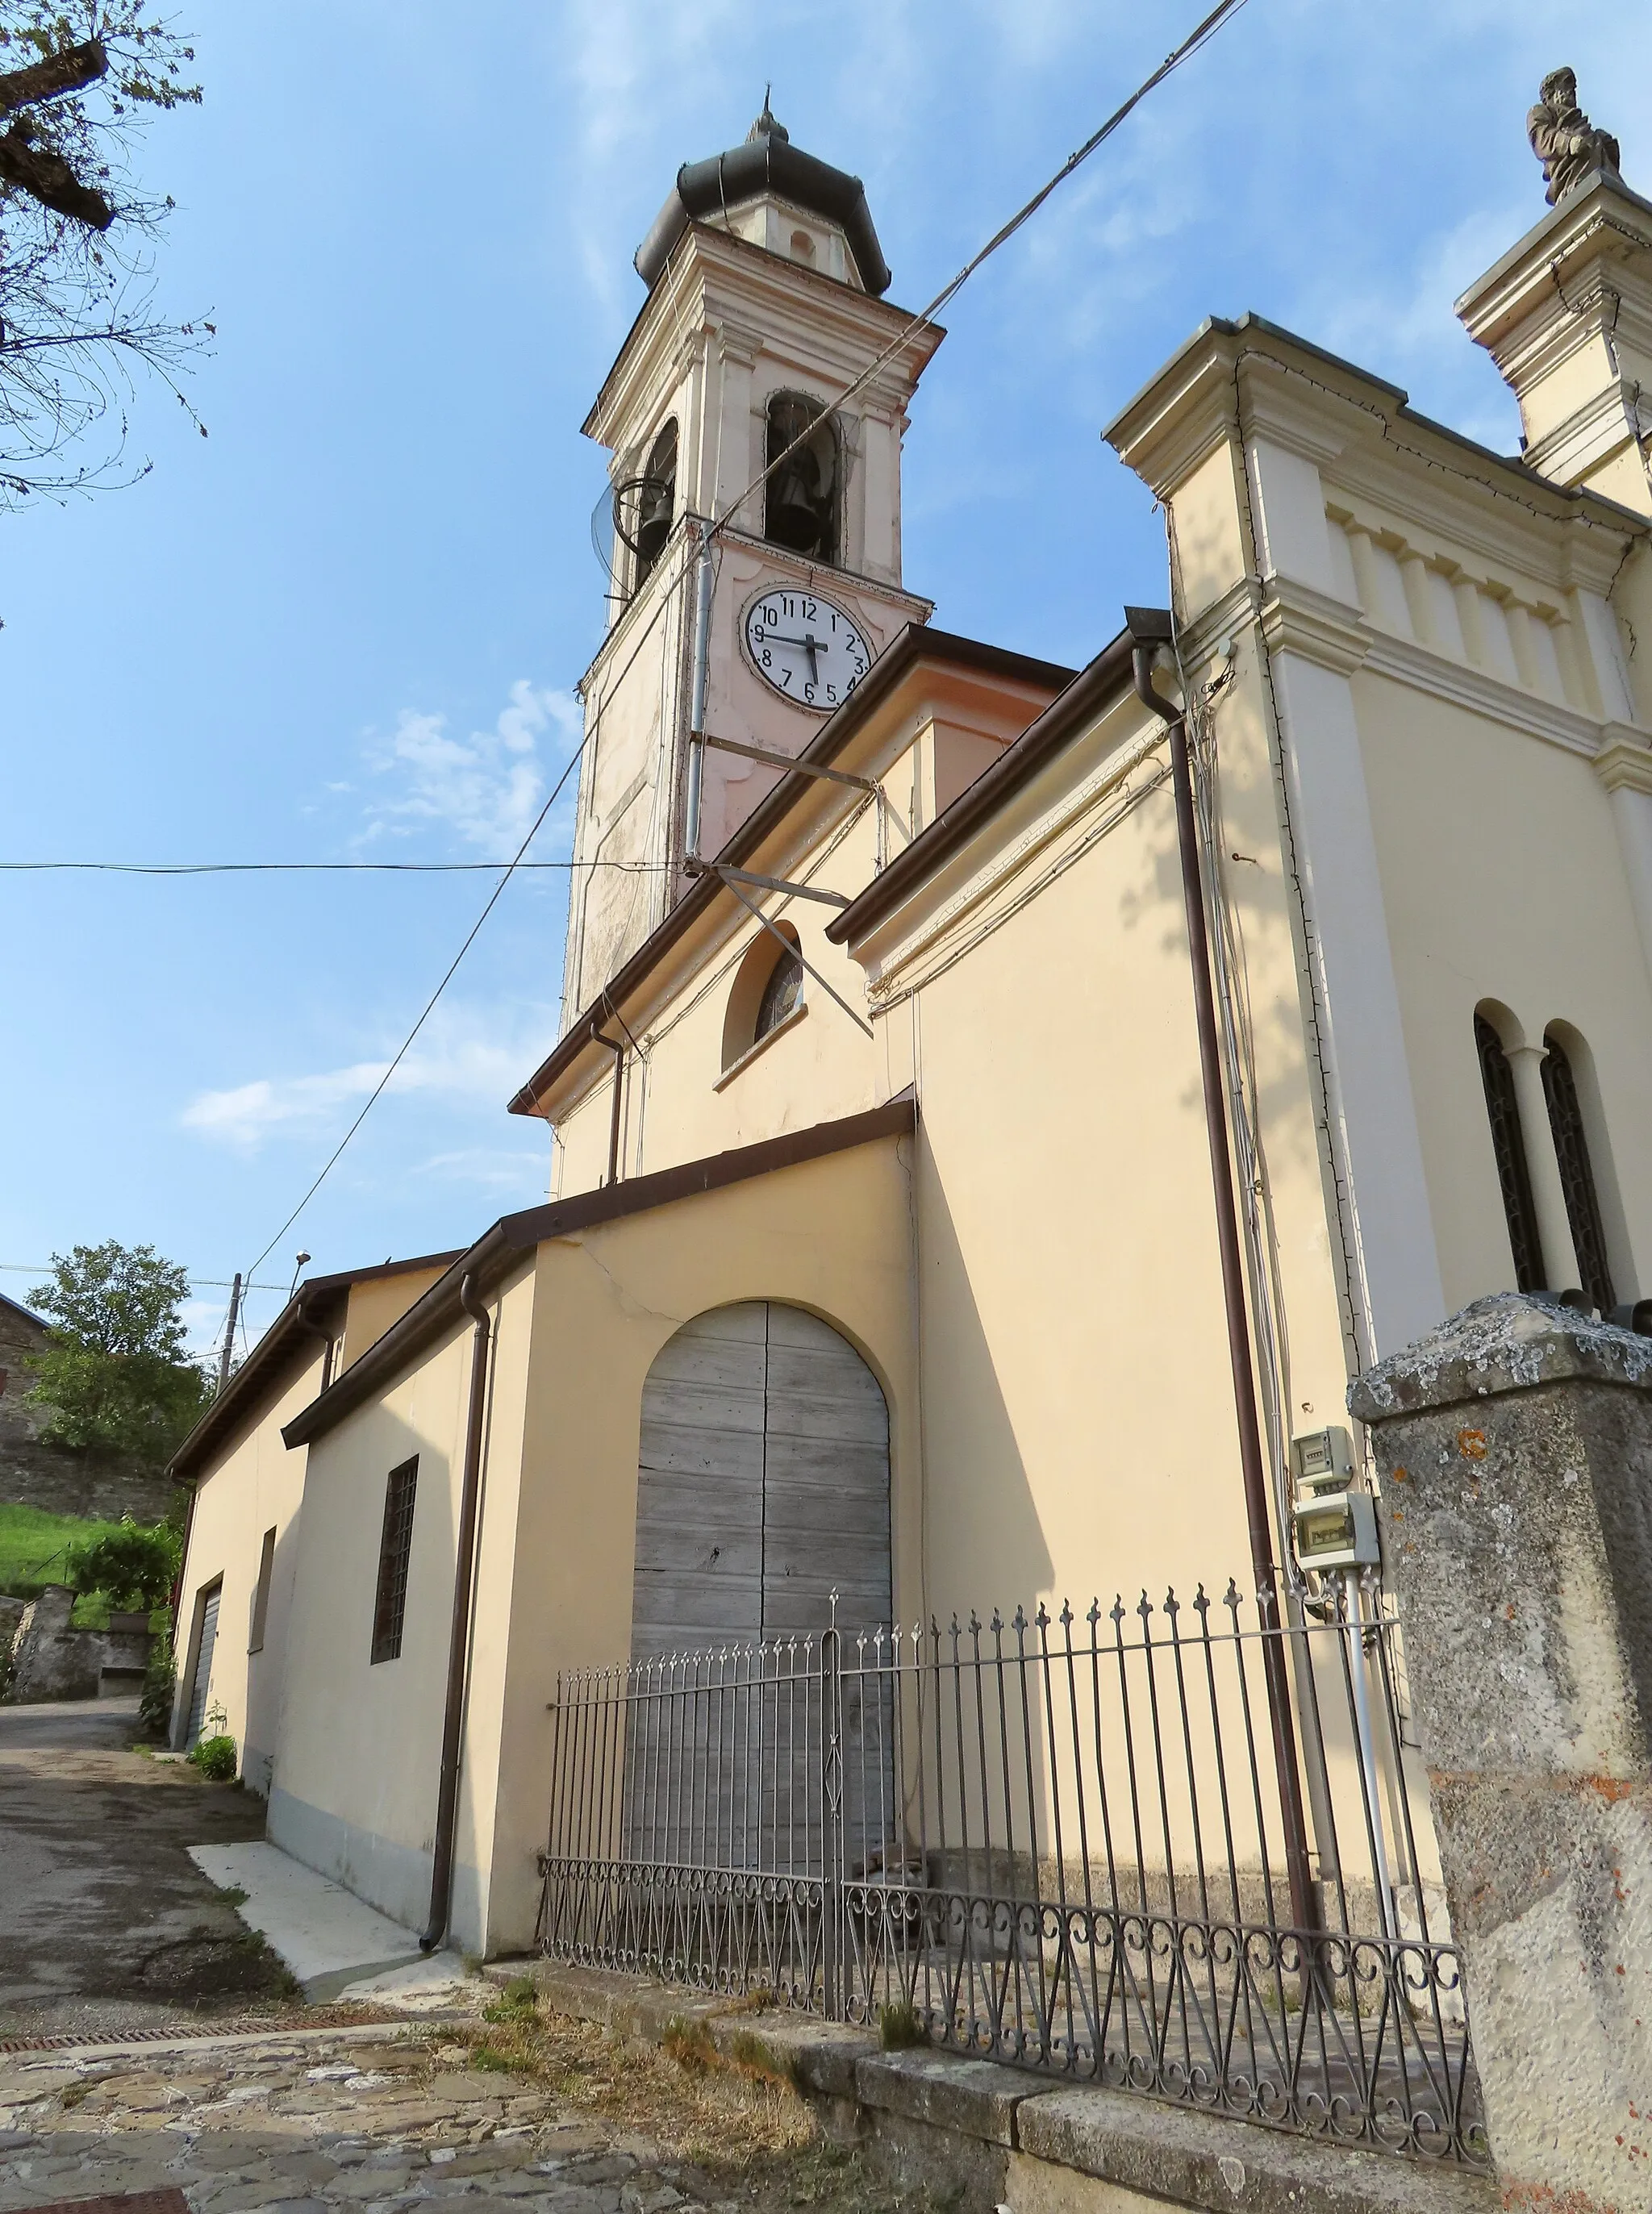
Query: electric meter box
(1325,1458)
(1336,1530)
(1335,1525)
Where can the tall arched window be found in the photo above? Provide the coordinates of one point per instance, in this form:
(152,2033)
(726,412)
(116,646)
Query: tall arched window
(801,504)
(1508,1145)
(1576,1172)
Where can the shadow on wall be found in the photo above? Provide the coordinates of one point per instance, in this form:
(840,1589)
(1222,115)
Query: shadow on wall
(983,1537)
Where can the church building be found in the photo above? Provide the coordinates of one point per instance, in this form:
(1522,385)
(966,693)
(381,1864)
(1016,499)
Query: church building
(1000,1106)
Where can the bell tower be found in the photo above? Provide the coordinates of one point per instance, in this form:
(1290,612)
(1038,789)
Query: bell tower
(765,306)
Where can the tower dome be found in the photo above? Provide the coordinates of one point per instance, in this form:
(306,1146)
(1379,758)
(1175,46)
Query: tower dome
(767,165)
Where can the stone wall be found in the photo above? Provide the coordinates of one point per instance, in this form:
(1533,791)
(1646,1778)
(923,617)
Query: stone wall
(35,1474)
(52,1661)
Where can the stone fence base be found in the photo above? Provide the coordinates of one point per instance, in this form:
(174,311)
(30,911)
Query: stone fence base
(981,2135)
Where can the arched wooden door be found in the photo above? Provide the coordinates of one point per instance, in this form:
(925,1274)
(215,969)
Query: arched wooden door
(762,1484)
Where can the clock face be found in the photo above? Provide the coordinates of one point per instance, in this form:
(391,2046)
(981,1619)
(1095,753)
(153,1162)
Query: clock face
(808,649)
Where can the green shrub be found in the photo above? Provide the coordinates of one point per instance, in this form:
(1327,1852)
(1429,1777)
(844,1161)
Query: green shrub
(160,1687)
(216,1759)
(133,1564)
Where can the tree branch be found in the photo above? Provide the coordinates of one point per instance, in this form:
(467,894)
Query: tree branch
(49,179)
(72,69)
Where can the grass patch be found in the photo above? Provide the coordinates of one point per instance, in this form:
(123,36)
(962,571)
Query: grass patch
(734,2116)
(32,1546)
(899,2028)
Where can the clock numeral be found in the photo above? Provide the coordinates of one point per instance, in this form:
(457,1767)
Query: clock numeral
(758,633)
(771,616)
(768,658)
(850,686)
(809,693)
(831,691)
(811,612)
(786,678)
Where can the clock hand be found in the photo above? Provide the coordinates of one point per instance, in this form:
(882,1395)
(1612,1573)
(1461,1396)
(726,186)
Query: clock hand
(811,645)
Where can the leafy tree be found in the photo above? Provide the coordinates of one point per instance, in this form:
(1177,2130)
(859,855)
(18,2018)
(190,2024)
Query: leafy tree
(133,1564)
(115,1375)
(79,79)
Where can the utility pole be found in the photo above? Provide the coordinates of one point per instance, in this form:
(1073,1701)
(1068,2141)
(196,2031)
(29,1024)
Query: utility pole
(228,1354)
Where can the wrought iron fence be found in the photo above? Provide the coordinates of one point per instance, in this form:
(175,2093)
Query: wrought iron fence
(1059,1841)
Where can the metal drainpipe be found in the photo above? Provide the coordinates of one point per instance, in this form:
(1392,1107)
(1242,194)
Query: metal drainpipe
(447,1797)
(617,1049)
(1254,1476)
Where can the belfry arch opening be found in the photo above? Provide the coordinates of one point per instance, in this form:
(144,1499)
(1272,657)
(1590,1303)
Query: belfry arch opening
(802,502)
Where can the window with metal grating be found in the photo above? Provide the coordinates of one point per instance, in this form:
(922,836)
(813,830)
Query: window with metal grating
(1508,1144)
(1576,1174)
(395,1550)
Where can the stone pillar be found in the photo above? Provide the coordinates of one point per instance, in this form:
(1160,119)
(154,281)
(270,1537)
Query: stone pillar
(1514,1448)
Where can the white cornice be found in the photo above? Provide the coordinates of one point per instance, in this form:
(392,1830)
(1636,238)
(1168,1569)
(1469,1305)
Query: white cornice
(714,277)
(1625,761)
(1601,428)
(1426,670)
(1296,619)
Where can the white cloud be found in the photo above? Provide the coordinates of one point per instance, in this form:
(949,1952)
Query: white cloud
(470,1059)
(488,787)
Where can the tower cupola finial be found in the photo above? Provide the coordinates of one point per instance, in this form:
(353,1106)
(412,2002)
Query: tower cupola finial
(766,127)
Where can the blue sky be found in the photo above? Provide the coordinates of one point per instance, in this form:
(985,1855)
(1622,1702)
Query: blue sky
(348,623)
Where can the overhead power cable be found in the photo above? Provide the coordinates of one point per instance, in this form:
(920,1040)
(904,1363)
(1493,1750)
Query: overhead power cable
(510,871)
(292,868)
(1204,31)
(1198,37)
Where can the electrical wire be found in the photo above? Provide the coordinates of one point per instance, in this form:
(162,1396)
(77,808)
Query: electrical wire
(1198,37)
(471,935)
(196,1283)
(290,868)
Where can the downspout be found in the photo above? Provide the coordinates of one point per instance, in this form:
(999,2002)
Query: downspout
(447,1797)
(701,669)
(1256,1513)
(617,1049)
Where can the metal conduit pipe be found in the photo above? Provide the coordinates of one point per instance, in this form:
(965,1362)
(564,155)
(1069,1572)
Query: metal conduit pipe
(447,1797)
(1256,1515)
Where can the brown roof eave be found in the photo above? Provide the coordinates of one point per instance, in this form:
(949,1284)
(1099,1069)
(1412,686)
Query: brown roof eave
(500,1251)
(293,1333)
(913,643)
(1061,722)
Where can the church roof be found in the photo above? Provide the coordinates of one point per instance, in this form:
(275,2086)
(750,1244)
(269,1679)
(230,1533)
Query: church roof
(768,163)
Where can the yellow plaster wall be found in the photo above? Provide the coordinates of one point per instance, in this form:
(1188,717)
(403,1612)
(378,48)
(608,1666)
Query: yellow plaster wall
(1503,879)
(339,1801)
(257,1485)
(376,1304)
(831,1235)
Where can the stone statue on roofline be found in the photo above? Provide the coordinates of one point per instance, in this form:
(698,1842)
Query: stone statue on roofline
(1564,139)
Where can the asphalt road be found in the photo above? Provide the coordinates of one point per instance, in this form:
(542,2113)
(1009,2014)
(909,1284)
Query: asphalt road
(104,1919)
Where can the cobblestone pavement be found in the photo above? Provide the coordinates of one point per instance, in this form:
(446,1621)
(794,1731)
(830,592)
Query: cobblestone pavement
(293,2125)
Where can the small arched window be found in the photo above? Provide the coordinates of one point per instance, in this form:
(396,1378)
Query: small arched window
(1576,1172)
(1508,1145)
(766,992)
(801,503)
(781,995)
